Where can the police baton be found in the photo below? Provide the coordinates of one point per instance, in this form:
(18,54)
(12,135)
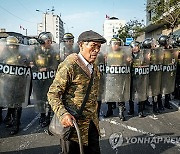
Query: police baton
(79,136)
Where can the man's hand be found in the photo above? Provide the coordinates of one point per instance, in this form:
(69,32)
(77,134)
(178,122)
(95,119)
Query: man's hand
(67,120)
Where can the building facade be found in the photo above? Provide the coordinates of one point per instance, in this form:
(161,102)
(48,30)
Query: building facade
(155,30)
(52,23)
(111,27)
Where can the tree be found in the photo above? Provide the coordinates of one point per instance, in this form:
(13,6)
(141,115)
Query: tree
(133,28)
(165,11)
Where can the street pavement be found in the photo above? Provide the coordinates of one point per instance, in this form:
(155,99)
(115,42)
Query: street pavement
(152,134)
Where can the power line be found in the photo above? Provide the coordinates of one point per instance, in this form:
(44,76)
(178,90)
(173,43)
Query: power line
(15,15)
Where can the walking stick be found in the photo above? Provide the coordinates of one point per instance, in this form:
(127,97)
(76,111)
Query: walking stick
(79,137)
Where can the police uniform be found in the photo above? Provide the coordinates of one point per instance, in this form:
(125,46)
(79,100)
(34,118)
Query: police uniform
(177,82)
(139,77)
(155,70)
(68,90)
(14,82)
(67,46)
(169,67)
(43,58)
(117,83)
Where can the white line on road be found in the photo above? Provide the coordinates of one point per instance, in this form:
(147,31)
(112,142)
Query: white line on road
(31,123)
(135,129)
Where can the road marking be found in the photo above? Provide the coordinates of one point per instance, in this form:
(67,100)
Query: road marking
(31,123)
(154,117)
(112,121)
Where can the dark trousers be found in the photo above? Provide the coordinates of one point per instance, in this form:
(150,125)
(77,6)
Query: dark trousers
(72,147)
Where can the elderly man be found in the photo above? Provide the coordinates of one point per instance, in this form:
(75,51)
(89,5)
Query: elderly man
(69,88)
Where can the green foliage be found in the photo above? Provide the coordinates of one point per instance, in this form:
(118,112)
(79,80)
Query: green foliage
(166,11)
(133,28)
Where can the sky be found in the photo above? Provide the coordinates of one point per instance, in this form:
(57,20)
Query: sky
(78,15)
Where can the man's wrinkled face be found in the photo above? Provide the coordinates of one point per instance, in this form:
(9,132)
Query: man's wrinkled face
(90,50)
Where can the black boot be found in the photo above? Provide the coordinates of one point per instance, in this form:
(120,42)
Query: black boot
(8,119)
(16,120)
(155,105)
(140,110)
(159,102)
(1,115)
(131,108)
(121,110)
(167,103)
(113,105)
(109,111)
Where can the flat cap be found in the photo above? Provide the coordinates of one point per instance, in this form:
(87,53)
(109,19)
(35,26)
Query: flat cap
(88,36)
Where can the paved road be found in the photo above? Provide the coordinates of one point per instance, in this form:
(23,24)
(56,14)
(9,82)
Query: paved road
(148,135)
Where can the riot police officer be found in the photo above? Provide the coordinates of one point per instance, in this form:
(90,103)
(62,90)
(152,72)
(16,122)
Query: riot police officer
(177,82)
(2,44)
(44,64)
(14,82)
(156,60)
(66,46)
(139,77)
(168,69)
(117,83)
(100,62)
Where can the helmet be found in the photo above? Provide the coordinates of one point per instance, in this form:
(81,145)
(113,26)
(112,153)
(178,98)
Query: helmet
(163,40)
(135,43)
(68,36)
(178,40)
(147,43)
(116,39)
(44,36)
(33,41)
(12,40)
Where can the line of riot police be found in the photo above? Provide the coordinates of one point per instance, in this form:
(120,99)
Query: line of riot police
(136,72)
(26,69)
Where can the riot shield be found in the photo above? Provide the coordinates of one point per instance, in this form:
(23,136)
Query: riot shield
(15,76)
(117,70)
(100,62)
(45,63)
(140,75)
(76,48)
(155,72)
(65,50)
(169,70)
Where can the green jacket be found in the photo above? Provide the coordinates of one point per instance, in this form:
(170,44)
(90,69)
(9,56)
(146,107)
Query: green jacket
(69,88)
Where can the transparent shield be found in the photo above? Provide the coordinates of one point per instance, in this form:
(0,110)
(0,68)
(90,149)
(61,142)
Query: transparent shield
(117,70)
(15,76)
(140,75)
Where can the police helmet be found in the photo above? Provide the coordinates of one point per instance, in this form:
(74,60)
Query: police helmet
(33,41)
(12,40)
(134,44)
(44,36)
(147,43)
(163,40)
(68,36)
(117,40)
(178,40)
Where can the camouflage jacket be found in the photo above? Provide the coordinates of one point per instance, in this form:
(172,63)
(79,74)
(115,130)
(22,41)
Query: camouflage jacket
(69,88)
